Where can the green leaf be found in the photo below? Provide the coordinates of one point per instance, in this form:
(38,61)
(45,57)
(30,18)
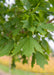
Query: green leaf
(40,59)
(27,45)
(28,24)
(18,3)
(13,63)
(33,59)
(52,2)
(7,48)
(40,30)
(2,41)
(26,4)
(38,47)
(32,29)
(15,31)
(49,36)
(16,37)
(47,26)
(45,45)
(52,9)
(34,2)
(35,9)
(24,59)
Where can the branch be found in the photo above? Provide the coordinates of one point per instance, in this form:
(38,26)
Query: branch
(50,21)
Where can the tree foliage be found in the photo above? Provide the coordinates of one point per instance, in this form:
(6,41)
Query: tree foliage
(25,29)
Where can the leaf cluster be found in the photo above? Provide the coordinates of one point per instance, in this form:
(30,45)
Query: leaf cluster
(24,30)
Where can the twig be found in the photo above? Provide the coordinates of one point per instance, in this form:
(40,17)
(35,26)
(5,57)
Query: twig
(50,21)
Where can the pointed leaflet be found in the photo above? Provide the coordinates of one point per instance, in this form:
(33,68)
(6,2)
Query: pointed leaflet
(45,45)
(38,47)
(5,50)
(26,24)
(30,45)
(47,26)
(27,45)
(29,24)
(40,30)
(32,29)
(40,59)
(49,35)
(18,46)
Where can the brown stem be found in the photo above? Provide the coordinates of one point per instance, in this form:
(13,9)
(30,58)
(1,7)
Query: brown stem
(50,21)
